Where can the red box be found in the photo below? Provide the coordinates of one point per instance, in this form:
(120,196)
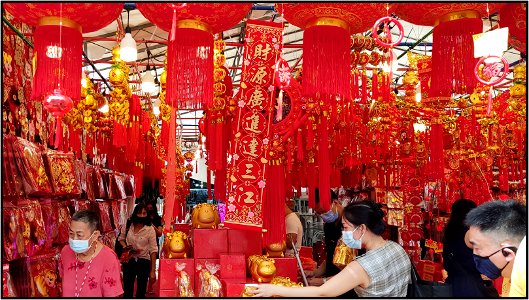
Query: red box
(247,242)
(232,287)
(167,293)
(203,262)
(287,267)
(167,272)
(305,252)
(209,243)
(232,266)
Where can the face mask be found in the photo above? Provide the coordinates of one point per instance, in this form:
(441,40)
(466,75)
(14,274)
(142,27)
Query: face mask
(486,267)
(80,246)
(329,216)
(349,240)
(141,220)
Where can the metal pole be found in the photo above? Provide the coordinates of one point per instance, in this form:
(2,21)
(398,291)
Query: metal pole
(17,31)
(415,44)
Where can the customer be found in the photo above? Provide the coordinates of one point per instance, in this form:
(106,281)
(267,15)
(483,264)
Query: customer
(496,229)
(141,239)
(463,276)
(383,271)
(332,228)
(87,267)
(156,221)
(294,231)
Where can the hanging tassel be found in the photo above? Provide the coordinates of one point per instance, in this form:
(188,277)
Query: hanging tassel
(436,152)
(299,142)
(453,57)
(170,179)
(489,104)
(364,87)
(58,133)
(274,202)
(48,41)
(324,165)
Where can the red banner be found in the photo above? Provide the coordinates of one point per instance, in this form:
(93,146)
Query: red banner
(249,150)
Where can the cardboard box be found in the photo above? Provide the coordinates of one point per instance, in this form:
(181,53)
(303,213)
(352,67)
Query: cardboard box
(167,272)
(202,262)
(233,287)
(248,242)
(232,266)
(287,267)
(209,243)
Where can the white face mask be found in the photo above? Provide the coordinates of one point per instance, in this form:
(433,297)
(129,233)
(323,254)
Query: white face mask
(80,246)
(350,241)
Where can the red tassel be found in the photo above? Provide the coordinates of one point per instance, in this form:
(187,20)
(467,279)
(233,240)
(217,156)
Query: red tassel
(170,191)
(58,133)
(190,78)
(364,87)
(299,143)
(453,59)
(324,166)
(274,204)
(47,42)
(374,86)
(436,152)
(326,61)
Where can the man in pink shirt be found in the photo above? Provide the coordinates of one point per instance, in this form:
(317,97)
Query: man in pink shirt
(87,267)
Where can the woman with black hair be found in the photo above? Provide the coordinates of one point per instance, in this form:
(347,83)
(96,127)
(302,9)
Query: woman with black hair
(458,261)
(140,239)
(383,271)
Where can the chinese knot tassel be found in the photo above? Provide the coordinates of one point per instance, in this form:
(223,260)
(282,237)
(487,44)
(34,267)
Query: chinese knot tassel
(274,204)
(170,190)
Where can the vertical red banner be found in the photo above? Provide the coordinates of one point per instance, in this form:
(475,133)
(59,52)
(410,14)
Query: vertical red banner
(249,152)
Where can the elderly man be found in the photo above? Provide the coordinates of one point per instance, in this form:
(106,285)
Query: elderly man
(496,229)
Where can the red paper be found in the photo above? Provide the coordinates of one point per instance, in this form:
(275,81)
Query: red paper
(247,242)
(232,266)
(287,267)
(209,243)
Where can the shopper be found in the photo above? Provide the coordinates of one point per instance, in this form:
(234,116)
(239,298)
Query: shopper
(141,240)
(294,232)
(383,271)
(87,267)
(156,221)
(496,229)
(332,228)
(463,276)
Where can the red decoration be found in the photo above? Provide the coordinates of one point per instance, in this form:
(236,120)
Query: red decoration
(386,21)
(494,71)
(58,104)
(430,13)
(514,16)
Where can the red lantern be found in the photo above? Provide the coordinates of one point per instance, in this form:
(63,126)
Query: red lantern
(59,51)
(190,49)
(58,104)
(513,15)
(453,50)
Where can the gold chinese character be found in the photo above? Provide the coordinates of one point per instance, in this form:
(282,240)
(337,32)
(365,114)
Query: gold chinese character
(256,99)
(253,148)
(259,75)
(254,123)
(249,197)
(262,53)
(248,174)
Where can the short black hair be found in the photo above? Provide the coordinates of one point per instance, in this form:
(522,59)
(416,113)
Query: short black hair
(89,217)
(501,219)
(366,212)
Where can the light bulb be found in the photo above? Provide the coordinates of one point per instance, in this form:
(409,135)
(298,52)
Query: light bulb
(104,109)
(156,110)
(147,83)
(128,51)
(419,127)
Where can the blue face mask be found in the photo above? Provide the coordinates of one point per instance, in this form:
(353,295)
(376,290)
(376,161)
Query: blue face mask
(350,241)
(486,267)
(329,216)
(80,246)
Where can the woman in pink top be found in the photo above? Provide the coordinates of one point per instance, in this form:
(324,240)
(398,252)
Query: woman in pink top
(87,267)
(141,240)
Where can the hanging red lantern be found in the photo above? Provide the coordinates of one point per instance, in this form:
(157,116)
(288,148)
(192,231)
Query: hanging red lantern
(190,49)
(453,50)
(54,44)
(514,16)
(58,104)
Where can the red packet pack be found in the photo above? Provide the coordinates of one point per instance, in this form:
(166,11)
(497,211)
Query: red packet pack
(104,214)
(129,185)
(33,230)
(110,184)
(64,219)
(12,239)
(45,276)
(60,167)
(82,205)
(11,178)
(31,166)
(80,174)
(114,206)
(100,191)
(119,186)
(90,183)
(50,215)
(109,239)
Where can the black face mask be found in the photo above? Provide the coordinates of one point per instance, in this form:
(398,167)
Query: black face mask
(141,220)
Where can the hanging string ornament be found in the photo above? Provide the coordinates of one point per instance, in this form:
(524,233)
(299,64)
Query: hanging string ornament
(77,18)
(327,63)
(491,71)
(452,57)
(282,81)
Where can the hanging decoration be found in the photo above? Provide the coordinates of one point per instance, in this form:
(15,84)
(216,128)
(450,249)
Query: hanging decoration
(249,150)
(119,99)
(514,16)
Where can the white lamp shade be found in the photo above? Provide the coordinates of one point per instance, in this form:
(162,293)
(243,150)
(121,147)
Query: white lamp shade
(147,83)
(128,51)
